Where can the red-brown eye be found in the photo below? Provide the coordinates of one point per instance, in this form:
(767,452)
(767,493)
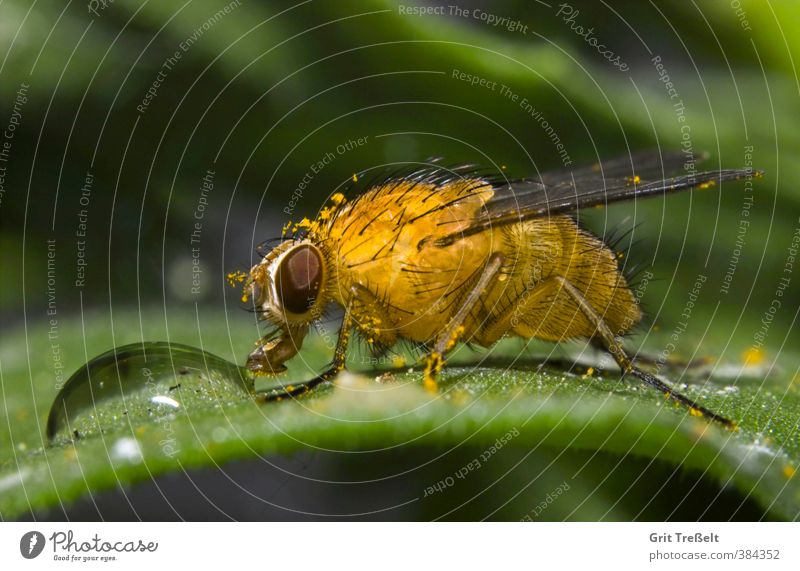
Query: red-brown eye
(299,278)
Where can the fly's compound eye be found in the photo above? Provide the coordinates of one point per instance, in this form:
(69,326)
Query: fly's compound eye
(298,279)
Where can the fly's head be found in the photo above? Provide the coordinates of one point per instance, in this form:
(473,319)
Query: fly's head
(288,289)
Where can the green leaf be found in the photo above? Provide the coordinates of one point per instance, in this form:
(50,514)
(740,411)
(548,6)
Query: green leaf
(538,414)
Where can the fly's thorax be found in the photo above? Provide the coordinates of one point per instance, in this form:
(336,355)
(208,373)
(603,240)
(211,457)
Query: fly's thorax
(288,286)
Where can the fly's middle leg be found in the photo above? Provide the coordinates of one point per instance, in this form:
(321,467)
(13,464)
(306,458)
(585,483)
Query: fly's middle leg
(450,335)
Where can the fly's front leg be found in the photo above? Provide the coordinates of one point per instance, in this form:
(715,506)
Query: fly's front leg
(339,356)
(340,353)
(448,338)
(371,319)
(367,316)
(626,363)
(362,313)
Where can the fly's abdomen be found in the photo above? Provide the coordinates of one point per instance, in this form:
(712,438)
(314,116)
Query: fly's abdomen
(527,301)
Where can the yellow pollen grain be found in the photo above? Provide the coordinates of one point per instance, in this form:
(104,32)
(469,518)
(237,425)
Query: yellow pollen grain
(456,335)
(236,277)
(753,357)
(789,471)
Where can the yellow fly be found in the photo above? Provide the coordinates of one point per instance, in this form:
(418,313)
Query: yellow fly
(442,255)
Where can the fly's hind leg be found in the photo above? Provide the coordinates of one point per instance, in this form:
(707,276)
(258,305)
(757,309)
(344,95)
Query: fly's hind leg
(626,364)
(656,362)
(450,335)
(505,322)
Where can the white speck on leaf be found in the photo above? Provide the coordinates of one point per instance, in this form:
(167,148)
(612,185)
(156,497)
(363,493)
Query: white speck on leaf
(127,449)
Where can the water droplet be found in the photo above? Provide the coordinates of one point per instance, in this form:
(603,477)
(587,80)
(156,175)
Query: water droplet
(127,449)
(141,383)
(219,434)
(14,479)
(169,401)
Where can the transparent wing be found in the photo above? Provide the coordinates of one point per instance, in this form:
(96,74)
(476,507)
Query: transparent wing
(566,190)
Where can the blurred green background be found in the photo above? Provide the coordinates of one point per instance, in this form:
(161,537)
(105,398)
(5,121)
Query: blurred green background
(269,89)
(149,98)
